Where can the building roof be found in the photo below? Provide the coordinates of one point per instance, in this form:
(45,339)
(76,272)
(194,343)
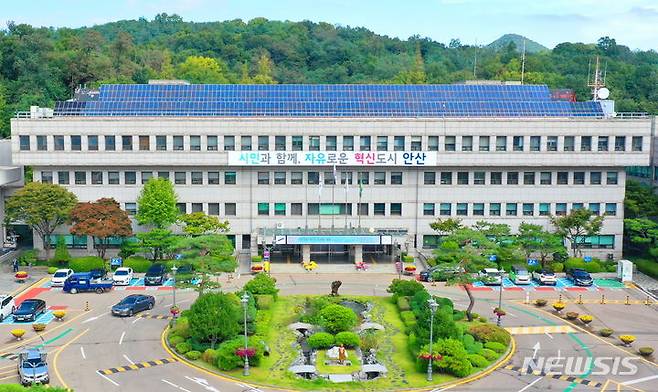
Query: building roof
(337,100)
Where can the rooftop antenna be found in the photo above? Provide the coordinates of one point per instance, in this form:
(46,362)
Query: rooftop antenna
(598,84)
(523,62)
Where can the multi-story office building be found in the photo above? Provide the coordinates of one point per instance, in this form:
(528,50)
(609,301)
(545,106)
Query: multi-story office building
(10,177)
(356,167)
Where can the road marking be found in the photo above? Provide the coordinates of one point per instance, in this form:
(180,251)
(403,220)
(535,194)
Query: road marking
(8,377)
(128,359)
(639,380)
(174,385)
(562,377)
(59,376)
(82,351)
(92,319)
(540,330)
(204,383)
(137,366)
(9,356)
(529,385)
(121,338)
(549,335)
(107,378)
(155,316)
(136,319)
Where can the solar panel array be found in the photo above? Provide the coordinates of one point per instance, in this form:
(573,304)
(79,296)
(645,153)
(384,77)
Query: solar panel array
(297,100)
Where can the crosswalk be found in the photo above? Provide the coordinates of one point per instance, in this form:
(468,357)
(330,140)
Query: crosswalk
(540,330)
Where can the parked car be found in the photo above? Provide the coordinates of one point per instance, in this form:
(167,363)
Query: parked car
(185,273)
(60,276)
(7,306)
(519,275)
(156,275)
(32,367)
(122,276)
(30,309)
(98,273)
(439,273)
(491,276)
(579,277)
(545,276)
(84,281)
(132,304)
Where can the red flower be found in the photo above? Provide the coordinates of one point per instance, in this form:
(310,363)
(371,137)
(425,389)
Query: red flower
(21,275)
(499,312)
(256,267)
(245,352)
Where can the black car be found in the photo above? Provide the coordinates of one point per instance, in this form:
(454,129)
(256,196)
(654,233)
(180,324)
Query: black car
(579,276)
(132,304)
(30,309)
(98,273)
(156,275)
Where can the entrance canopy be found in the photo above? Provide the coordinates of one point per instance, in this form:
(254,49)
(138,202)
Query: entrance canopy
(333,236)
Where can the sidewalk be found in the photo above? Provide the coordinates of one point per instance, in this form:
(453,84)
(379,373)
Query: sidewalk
(9,285)
(295,268)
(646,282)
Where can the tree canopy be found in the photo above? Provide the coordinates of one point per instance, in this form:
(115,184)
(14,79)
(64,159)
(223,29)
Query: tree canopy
(102,219)
(156,204)
(577,225)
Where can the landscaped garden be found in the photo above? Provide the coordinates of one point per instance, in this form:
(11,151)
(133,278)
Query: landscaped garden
(335,342)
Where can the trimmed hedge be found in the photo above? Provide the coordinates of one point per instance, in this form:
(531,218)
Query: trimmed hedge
(321,340)
(648,267)
(183,348)
(495,346)
(137,263)
(489,354)
(348,339)
(193,355)
(176,340)
(478,360)
(209,356)
(264,301)
(403,304)
(490,333)
(408,318)
(86,263)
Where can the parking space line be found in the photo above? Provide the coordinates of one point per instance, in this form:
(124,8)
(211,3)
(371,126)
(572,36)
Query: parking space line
(122,336)
(107,378)
(529,385)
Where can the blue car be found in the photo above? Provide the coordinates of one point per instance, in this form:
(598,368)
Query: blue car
(132,304)
(30,309)
(579,277)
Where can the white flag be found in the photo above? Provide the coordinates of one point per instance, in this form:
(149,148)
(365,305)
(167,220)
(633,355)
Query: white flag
(335,176)
(320,184)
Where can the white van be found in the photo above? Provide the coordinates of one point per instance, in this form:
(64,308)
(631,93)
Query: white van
(7,306)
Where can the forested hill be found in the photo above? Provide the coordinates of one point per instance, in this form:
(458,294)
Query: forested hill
(40,65)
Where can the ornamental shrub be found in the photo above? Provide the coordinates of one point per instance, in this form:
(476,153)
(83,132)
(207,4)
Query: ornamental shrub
(137,263)
(605,332)
(371,339)
(645,351)
(458,315)
(405,288)
(403,304)
(264,301)
(478,360)
(182,327)
(62,256)
(455,358)
(262,283)
(408,318)
(408,259)
(471,345)
(321,340)
(256,259)
(557,267)
(337,318)
(227,358)
(489,354)
(209,356)
(495,346)
(86,263)
(347,339)
(193,355)
(183,347)
(174,340)
(490,333)
(52,270)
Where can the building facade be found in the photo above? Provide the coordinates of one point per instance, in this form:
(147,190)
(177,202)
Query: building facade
(352,181)
(11,177)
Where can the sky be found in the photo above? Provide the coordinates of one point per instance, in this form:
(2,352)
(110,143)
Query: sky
(633,23)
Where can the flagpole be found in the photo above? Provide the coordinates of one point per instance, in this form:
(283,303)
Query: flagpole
(333,198)
(358,212)
(319,202)
(345,207)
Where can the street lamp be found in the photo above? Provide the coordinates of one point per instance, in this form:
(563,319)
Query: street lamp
(245,302)
(174,309)
(433,306)
(500,297)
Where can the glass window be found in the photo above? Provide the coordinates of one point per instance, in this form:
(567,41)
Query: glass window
(544,209)
(610,208)
(579,178)
(620,143)
(446,178)
(595,178)
(279,208)
(163,174)
(280,143)
(512,178)
(179,144)
(577,206)
(501,143)
(263,143)
(445,209)
(597,241)
(59,142)
(569,143)
(92,143)
(346,177)
(396,209)
(380,178)
(398,143)
(494,209)
(81,178)
(484,143)
(364,143)
(197,207)
(467,143)
(528,178)
(479,178)
(161,142)
(230,209)
(146,176)
(636,143)
(428,209)
(42,142)
(131,208)
(496,178)
(462,178)
(263,208)
(195,143)
(182,208)
(144,143)
(517,143)
(211,143)
(551,143)
(611,178)
(229,143)
(113,178)
(545,178)
(197,178)
(602,143)
(76,143)
(478,209)
(462,209)
(297,178)
(127,143)
(396,178)
(348,143)
(180,178)
(63,178)
(363,209)
(416,143)
(230,178)
(263,178)
(313,178)
(330,143)
(329,178)
(510,209)
(213,208)
(429,178)
(585,143)
(245,143)
(280,178)
(528,209)
(314,143)
(382,143)
(562,178)
(297,143)
(296,209)
(560,209)
(595,208)
(24,142)
(450,143)
(47,177)
(110,143)
(379,208)
(364,178)
(433,143)
(213,178)
(535,143)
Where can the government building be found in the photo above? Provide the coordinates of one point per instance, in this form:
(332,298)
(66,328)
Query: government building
(349,171)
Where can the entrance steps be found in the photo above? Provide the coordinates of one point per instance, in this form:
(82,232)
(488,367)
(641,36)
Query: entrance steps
(296,268)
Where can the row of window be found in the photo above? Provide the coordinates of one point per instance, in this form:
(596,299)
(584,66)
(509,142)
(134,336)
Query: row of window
(314,177)
(313,143)
(512,209)
(603,241)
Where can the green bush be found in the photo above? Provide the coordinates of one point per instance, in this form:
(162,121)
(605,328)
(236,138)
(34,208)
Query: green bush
(256,259)
(347,339)
(478,360)
(193,355)
(408,259)
(320,340)
(408,318)
(226,357)
(137,263)
(605,332)
(62,256)
(455,358)
(645,351)
(175,340)
(405,288)
(592,266)
(264,301)
(471,345)
(209,356)
(336,318)
(52,270)
(495,346)
(648,267)
(262,283)
(490,333)
(28,257)
(182,327)
(458,315)
(371,339)
(490,355)
(557,267)
(86,263)
(403,304)
(183,347)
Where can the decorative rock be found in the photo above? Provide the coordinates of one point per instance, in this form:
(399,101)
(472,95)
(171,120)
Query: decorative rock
(368,326)
(332,353)
(340,377)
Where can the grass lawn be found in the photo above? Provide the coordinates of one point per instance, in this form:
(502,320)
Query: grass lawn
(337,369)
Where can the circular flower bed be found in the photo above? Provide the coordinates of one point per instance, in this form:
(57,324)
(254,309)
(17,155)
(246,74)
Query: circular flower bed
(558,306)
(38,327)
(627,339)
(586,319)
(21,276)
(572,315)
(59,314)
(18,333)
(426,356)
(499,312)
(409,269)
(256,268)
(605,332)
(245,352)
(540,302)
(645,351)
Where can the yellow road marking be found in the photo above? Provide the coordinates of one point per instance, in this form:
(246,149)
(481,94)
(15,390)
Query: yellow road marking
(59,376)
(5,350)
(19,291)
(137,366)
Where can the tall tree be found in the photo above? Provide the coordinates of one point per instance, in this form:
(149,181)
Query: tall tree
(264,70)
(214,317)
(198,69)
(102,219)
(156,204)
(43,207)
(534,239)
(642,232)
(198,223)
(447,226)
(577,225)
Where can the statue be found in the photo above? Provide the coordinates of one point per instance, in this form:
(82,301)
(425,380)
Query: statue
(335,285)
(342,355)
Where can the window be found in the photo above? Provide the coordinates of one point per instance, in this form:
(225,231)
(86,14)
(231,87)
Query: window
(197,207)
(544,209)
(230,178)
(602,143)
(379,209)
(213,178)
(297,178)
(562,178)
(182,208)
(528,178)
(330,143)
(620,143)
(398,143)
(230,209)
(179,144)
(279,208)
(163,174)
(348,143)
(611,209)
(433,143)
(313,178)
(297,143)
(535,143)
(528,209)
(263,178)
(577,206)
(462,178)
(131,208)
(611,178)
(245,143)
(280,143)
(462,209)
(97,177)
(446,178)
(63,178)
(263,208)
(280,178)
(494,209)
(510,209)
(484,143)
(429,178)
(81,178)
(496,178)
(364,143)
(296,209)
(445,209)
(92,143)
(197,178)
(450,143)
(263,143)
(551,143)
(47,177)
(229,143)
(195,143)
(512,178)
(597,241)
(213,208)
(364,178)
(479,178)
(58,141)
(346,177)
(579,178)
(127,143)
(545,178)
(380,178)
(585,143)
(416,143)
(560,209)
(595,208)
(211,144)
(363,209)
(314,143)
(76,143)
(113,178)
(110,143)
(501,143)
(144,143)
(180,178)
(396,178)
(24,142)
(467,143)
(145,176)
(396,209)
(569,143)
(517,143)
(329,178)
(382,143)
(478,209)
(428,209)
(42,142)
(636,143)
(595,178)
(161,143)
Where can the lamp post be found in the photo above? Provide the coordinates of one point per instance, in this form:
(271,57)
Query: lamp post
(173,306)
(500,297)
(245,302)
(433,306)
